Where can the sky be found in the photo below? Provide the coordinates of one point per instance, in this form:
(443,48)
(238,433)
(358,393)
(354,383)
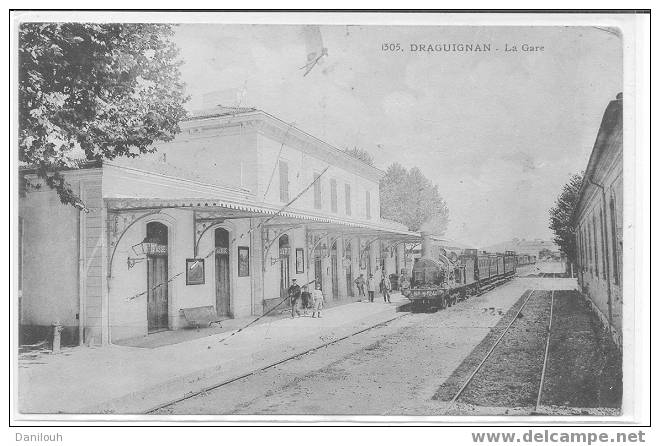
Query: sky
(498,132)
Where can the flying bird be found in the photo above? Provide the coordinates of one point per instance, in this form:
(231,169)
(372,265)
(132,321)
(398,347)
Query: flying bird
(314,47)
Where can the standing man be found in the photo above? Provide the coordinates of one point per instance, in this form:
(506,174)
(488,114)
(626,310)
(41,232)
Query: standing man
(317,296)
(387,287)
(378,277)
(359,282)
(371,287)
(306,299)
(294,295)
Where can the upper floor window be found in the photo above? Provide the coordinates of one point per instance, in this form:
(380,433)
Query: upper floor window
(589,247)
(367,203)
(615,254)
(603,246)
(284,181)
(333,195)
(595,231)
(347,200)
(318,202)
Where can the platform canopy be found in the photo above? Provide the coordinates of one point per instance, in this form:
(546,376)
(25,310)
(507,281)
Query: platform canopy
(276,218)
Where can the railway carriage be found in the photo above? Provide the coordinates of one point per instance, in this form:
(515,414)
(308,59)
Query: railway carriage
(441,280)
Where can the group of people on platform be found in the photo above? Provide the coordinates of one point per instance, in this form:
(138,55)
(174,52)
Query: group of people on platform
(302,299)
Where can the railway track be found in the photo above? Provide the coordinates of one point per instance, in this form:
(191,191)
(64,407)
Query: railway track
(269,366)
(296,356)
(494,346)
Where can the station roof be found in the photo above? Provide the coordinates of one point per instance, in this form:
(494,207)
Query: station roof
(275,217)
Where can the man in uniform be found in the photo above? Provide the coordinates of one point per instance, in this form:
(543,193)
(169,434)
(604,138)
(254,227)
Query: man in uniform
(294,295)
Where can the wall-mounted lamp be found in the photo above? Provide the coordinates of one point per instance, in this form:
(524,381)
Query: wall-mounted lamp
(284,256)
(145,248)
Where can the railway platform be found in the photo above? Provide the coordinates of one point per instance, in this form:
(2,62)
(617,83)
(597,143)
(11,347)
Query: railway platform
(133,379)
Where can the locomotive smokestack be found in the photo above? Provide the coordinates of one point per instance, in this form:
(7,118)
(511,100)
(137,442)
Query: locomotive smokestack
(426,244)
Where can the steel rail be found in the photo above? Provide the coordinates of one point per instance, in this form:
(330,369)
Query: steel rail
(545,357)
(490,351)
(269,366)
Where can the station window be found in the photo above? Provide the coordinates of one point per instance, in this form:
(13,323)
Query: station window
(585,249)
(578,241)
(367,203)
(615,254)
(318,203)
(593,222)
(284,181)
(603,245)
(347,194)
(589,250)
(333,195)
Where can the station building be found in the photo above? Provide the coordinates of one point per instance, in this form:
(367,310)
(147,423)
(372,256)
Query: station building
(225,215)
(598,219)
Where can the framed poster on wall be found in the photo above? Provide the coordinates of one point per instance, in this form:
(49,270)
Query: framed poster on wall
(300,260)
(243,261)
(194,271)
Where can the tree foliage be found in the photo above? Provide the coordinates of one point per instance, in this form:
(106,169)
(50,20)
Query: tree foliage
(89,92)
(561,214)
(408,197)
(361,154)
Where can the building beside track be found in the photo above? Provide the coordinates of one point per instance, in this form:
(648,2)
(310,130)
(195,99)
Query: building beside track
(598,219)
(225,215)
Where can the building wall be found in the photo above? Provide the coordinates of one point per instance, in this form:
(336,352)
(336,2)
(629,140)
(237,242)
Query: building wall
(62,268)
(127,287)
(599,223)
(302,168)
(600,247)
(220,156)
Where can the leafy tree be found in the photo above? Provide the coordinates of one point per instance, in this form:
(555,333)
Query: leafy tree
(545,253)
(361,154)
(89,92)
(561,214)
(410,198)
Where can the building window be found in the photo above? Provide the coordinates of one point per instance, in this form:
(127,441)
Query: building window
(578,236)
(347,193)
(333,195)
(615,254)
(318,203)
(585,250)
(593,222)
(284,181)
(603,245)
(591,268)
(367,203)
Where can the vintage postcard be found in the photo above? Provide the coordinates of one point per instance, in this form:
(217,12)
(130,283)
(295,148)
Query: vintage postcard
(328,217)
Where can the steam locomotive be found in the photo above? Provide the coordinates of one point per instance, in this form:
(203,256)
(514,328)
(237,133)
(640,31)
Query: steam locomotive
(441,279)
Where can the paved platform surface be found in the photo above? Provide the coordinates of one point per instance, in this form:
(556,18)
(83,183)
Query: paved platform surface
(132,380)
(128,379)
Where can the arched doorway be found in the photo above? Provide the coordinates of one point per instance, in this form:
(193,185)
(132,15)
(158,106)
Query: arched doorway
(334,266)
(157,285)
(222,273)
(319,252)
(348,262)
(284,253)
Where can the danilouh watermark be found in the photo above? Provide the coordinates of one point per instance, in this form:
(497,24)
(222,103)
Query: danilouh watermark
(39,437)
